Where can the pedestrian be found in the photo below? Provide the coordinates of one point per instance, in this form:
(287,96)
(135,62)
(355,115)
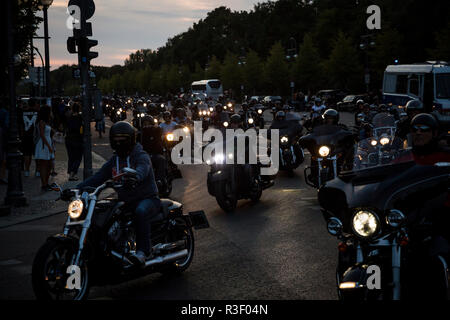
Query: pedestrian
(74,141)
(100,120)
(27,132)
(44,150)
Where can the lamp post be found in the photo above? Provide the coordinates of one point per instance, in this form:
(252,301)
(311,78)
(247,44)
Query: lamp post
(14,195)
(45,4)
(366,43)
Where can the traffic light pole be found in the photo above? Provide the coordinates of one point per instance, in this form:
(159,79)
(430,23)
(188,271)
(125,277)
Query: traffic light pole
(83,62)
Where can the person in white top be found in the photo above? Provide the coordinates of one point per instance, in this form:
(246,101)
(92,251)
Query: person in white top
(44,150)
(168,125)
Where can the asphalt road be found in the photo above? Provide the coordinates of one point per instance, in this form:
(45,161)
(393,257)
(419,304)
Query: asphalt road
(275,249)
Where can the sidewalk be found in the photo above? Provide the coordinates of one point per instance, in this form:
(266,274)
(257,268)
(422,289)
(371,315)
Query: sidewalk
(42,204)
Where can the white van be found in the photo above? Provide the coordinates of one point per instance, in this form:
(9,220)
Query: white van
(212,88)
(428,82)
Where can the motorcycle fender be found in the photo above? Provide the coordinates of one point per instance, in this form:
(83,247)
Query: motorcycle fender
(217,176)
(354,279)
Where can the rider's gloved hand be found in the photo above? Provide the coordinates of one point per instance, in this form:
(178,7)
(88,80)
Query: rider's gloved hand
(129,182)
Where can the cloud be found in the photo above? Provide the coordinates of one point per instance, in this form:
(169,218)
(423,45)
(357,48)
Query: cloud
(122,27)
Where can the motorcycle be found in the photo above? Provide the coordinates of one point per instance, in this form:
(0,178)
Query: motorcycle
(331,148)
(291,153)
(100,234)
(229,183)
(259,115)
(118,114)
(382,216)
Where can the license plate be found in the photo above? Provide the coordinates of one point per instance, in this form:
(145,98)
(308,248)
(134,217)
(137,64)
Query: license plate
(199,220)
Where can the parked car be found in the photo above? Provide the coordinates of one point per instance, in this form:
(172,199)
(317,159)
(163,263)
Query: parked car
(349,102)
(331,96)
(269,100)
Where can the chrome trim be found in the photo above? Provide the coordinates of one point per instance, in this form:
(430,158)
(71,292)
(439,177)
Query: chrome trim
(396,264)
(167,258)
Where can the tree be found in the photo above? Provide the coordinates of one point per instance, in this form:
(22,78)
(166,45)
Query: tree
(214,67)
(277,70)
(253,74)
(307,69)
(342,68)
(199,73)
(230,73)
(442,49)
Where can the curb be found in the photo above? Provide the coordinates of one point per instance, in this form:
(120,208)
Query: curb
(96,159)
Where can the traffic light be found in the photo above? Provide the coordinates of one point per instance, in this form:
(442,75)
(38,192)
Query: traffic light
(72,45)
(84,45)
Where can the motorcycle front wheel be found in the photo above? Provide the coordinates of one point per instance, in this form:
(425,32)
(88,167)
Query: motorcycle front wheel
(224,197)
(50,273)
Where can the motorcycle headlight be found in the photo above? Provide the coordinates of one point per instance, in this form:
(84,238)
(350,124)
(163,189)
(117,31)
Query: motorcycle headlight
(225,124)
(162,105)
(384,141)
(155,120)
(145,104)
(186,130)
(118,112)
(260,111)
(199,113)
(75,209)
(209,113)
(250,120)
(395,218)
(373,142)
(204,112)
(120,109)
(230,105)
(365,223)
(284,139)
(211,109)
(324,151)
(169,137)
(218,158)
(142,115)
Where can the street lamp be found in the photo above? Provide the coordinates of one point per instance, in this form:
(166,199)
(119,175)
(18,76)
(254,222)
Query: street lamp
(45,4)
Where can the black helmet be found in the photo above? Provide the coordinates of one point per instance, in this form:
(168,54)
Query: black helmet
(331,114)
(425,119)
(382,108)
(148,118)
(122,137)
(360,101)
(244,106)
(414,105)
(166,114)
(280,115)
(235,118)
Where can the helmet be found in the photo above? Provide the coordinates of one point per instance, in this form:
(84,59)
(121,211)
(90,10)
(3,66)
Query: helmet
(148,118)
(360,101)
(382,108)
(331,114)
(244,106)
(179,111)
(122,137)
(235,118)
(280,115)
(317,99)
(167,114)
(414,105)
(425,119)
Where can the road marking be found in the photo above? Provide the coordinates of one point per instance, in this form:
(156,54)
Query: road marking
(293,189)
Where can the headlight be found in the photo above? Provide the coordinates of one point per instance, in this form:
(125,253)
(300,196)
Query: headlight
(373,142)
(209,113)
(324,151)
(211,109)
(199,113)
(365,223)
(334,226)
(225,124)
(186,130)
(118,112)
(142,115)
(75,209)
(156,120)
(395,218)
(169,137)
(230,105)
(204,112)
(384,141)
(162,105)
(145,104)
(224,107)
(120,109)
(218,158)
(260,111)
(250,120)
(284,139)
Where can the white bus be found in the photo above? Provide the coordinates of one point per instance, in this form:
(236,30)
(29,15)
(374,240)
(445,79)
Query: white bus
(212,88)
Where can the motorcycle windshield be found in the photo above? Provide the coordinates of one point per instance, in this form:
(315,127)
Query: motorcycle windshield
(328,134)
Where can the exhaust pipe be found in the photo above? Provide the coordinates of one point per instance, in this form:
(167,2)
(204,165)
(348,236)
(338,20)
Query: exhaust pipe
(167,258)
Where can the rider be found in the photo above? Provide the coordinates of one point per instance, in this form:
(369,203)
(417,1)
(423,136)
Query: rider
(359,109)
(153,145)
(168,125)
(180,117)
(413,108)
(235,121)
(141,192)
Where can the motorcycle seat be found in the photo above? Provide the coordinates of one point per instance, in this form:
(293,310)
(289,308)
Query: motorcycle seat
(163,210)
